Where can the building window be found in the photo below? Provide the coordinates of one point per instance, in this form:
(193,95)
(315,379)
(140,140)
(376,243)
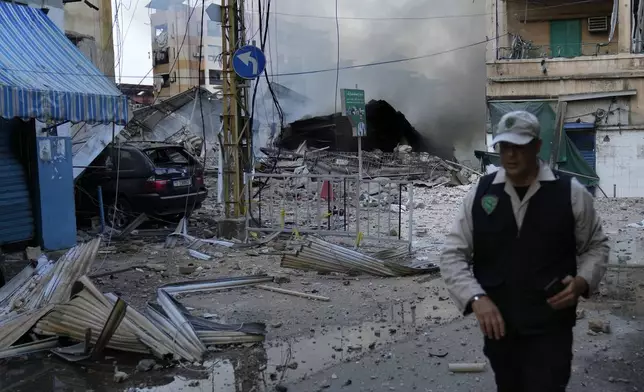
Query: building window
(202,78)
(213,52)
(214,77)
(214,29)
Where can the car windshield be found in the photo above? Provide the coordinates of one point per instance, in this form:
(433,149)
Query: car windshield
(169,156)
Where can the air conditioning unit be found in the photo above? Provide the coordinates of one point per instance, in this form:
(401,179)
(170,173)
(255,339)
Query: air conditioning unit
(598,24)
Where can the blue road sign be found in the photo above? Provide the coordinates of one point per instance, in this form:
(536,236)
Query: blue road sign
(249,62)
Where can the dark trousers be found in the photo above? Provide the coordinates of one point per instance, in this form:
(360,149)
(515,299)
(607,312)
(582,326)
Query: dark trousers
(531,363)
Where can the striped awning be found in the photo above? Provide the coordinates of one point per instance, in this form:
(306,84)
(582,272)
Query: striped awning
(44,76)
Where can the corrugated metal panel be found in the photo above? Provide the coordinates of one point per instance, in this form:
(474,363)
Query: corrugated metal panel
(16,214)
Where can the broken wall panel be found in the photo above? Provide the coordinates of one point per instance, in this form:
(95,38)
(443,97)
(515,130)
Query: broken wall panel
(386,128)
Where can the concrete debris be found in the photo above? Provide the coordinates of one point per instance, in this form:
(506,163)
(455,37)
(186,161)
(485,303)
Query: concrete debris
(33,253)
(322,256)
(198,255)
(119,376)
(145,365)
(599,326)
(402,163)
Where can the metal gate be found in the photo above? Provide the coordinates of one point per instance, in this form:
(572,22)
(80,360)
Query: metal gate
(334,205)
(585,143)
(16,214)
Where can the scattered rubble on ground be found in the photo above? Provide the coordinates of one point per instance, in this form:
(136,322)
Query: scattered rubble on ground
(176,280)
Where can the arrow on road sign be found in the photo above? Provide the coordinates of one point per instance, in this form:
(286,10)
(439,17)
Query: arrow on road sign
(248,58)
(249,62)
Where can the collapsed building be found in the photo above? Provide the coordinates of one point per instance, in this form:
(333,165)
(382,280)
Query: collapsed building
(386,129)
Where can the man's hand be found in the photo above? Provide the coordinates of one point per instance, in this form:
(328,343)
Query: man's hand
(569,296)
(489,317)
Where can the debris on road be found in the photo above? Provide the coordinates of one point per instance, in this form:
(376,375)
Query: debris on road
(599,326)
(467,367)
(323,256)
(292,292)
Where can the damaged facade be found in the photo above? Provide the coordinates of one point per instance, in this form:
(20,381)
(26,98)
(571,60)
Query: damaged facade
(387,128)
(588,55)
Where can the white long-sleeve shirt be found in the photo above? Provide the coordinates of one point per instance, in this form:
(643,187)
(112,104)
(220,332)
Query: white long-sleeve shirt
(592,243)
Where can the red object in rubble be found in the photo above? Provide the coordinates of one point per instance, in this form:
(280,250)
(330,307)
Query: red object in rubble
(327,191)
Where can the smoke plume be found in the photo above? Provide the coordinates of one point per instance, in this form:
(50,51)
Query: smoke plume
(442,95)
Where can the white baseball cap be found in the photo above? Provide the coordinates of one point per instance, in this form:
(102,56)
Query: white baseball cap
(518,127)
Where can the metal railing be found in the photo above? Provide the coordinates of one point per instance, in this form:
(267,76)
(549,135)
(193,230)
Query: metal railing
(523,49)
(335,205)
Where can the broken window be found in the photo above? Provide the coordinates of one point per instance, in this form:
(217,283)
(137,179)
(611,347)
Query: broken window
(169,156)
(638,27)
(214,77)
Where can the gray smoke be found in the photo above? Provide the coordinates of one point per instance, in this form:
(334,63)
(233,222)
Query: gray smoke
(443,95)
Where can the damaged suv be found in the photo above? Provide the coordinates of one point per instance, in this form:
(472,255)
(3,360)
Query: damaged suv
(161,180)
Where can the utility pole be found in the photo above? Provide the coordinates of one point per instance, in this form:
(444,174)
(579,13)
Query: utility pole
(236,134)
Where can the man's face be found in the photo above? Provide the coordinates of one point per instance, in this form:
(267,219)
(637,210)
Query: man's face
(519,160)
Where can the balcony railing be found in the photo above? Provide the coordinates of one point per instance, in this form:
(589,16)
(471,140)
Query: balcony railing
(524,49)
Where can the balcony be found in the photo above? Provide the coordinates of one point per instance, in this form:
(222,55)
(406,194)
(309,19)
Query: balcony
(522,49)
(556,29)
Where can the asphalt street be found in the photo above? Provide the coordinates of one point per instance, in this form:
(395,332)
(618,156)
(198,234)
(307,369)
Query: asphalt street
(603,362)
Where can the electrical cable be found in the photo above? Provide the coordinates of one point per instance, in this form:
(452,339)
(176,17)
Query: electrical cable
(126,32)
(337,67)
(203,124)
(176,58)
(364,65)
(422,18)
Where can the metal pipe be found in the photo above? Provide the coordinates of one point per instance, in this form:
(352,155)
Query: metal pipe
(191,287)
(328,205)
(411,214)
(259,205)
(399,209)
(101,208)
(344,200)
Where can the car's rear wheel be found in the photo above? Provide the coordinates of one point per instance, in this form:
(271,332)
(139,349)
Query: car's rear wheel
(118,215)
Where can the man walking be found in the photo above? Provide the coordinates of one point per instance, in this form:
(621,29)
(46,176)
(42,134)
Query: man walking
(526,244)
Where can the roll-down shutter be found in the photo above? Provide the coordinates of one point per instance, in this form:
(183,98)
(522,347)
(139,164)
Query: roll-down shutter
(16,214)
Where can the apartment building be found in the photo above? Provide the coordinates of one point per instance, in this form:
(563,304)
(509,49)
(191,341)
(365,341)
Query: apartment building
(579,66)
(89,26)
(176,36)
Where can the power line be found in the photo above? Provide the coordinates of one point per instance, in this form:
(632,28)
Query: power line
(176,58)
(401,60)
(337,64)
(411,18)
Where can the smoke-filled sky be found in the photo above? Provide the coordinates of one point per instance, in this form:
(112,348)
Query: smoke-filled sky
(442,95)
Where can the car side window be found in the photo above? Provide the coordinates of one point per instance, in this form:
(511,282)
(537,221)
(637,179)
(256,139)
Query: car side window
(127,159)
(102,162)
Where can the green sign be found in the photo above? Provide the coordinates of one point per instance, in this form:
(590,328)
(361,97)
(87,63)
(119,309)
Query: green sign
(353,106)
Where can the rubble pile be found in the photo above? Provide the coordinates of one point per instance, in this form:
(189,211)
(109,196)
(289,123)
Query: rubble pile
(402,163)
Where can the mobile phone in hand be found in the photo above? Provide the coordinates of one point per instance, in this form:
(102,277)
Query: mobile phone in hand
(555,287)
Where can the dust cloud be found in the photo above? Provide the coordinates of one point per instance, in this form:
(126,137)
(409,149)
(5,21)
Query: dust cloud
(442,95)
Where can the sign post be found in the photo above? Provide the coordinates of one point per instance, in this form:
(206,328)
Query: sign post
(353,106)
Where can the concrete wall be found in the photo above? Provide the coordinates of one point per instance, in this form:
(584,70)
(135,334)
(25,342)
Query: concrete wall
(620,160)
(85,21)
